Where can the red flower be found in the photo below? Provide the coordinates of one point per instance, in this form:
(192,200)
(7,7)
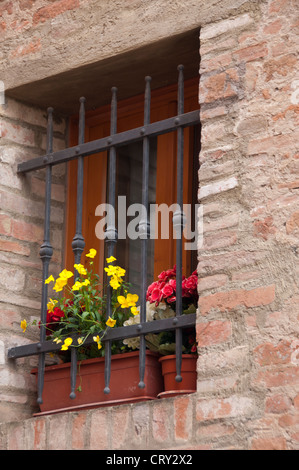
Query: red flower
(165,287)
(53,317)
(167,290)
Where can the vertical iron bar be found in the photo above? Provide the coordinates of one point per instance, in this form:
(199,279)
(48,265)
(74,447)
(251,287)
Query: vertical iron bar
(46,252)
(78,242)
(111,233)
(180,165)
(144,229)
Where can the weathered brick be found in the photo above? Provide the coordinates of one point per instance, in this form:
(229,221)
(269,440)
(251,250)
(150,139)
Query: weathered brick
(232,299)
(264,228)
(161,423)
(216,87)
(211,282)
(14,247)
(215,431)
(79,429)
(213,332)
(183,418)
(277,377)
(250,53)
(278,404)
(26,231)
(280,67)
(270,443)
(234,406)
(5,224)
(268,353)
(120,427)
(39,434)
(98,438)
(217,187)
(16,133)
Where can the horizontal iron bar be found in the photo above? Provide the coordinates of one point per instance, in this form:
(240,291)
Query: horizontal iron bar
(100,145)
(113,334)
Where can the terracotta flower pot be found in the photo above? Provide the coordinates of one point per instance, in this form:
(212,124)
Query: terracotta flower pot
(123,383)
(188,372)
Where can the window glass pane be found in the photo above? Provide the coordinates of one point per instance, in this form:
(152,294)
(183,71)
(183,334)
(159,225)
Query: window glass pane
(129,192)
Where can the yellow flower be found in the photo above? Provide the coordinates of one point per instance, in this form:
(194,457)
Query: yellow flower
(110,322)
(129,301)
(115,282)
(23,325)
(85,283)
(80,268)
(120,271)
(57,340)
(115,271)
(51,305)
(132,299)
(111,270)
(134,310)
(122,301)
(92,253)
(60,283)
(49,279)
(98,341)
(66,344)
(111,259)
(65,274)
(80,340)
(77,285)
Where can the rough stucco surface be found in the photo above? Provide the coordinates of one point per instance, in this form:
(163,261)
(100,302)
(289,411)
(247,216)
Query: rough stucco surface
(44,38)
(247,327)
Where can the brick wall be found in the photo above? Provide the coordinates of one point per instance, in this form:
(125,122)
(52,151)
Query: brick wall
(23,136)
(248,378)
(248,373)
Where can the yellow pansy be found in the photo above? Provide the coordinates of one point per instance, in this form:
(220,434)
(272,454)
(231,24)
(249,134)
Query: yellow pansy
(51,305)
(134,310)
(110,322)
(77,285)
(111,259)
(115,282)
(115,271)
(122,301)
(92,253)
(66,344)
(132,299)
(129,301)
(98,341)
(60,283)
(80,268)
(85,283)
(49,279)
(111,270)
(65,274)
(23,325)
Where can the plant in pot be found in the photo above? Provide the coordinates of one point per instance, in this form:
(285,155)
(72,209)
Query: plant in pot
(161,303)
(80,312)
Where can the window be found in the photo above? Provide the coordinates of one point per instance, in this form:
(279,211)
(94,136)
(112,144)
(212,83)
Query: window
(162,179)
(105,162)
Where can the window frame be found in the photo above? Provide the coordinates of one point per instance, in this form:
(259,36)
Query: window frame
(80,151)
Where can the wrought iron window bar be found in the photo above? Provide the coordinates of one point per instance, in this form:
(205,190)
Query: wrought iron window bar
(83,149)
